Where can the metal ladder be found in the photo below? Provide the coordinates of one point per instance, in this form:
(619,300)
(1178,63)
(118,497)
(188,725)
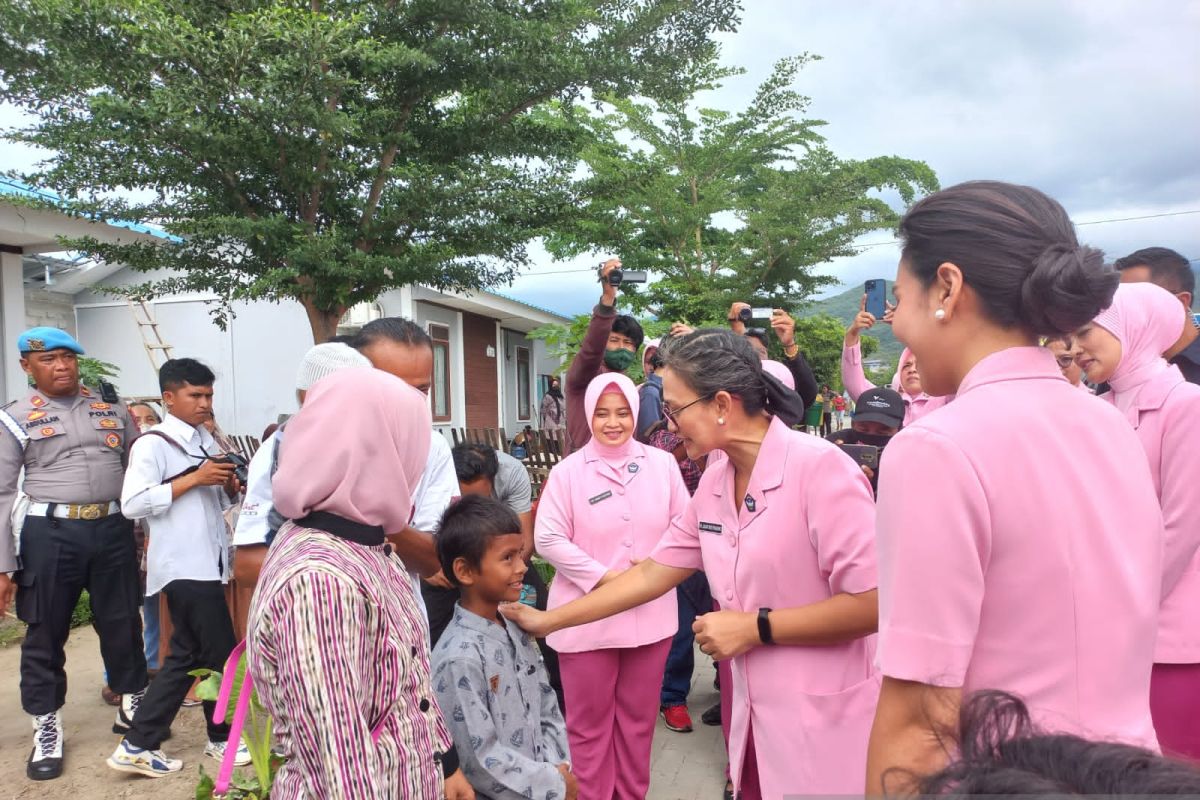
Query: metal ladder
(151,337)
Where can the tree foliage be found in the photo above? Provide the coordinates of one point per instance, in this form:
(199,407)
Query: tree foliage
(821,338)
(728,206)
(329,150)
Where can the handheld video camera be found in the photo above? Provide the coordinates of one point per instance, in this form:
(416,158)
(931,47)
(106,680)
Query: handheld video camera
(619,276)
(747,314)
(241,467)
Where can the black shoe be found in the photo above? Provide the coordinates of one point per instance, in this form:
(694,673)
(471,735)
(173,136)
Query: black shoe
(712,716)
(46,757)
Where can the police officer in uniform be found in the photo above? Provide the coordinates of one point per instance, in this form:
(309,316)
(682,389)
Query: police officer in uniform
(72,444)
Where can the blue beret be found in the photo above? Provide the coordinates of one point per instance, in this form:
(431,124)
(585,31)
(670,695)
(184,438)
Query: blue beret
(39,340)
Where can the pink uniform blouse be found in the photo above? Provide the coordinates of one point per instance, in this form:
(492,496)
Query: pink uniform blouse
(592,519)
(1166,415)
(855,381)
(804,533)
(1021,548)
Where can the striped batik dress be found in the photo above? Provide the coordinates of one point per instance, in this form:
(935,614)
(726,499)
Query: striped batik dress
(338,650)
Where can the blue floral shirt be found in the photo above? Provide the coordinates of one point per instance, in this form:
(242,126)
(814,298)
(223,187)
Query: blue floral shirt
(492,688)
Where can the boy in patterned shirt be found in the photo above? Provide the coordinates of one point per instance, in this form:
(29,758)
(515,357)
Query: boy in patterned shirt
(487,673)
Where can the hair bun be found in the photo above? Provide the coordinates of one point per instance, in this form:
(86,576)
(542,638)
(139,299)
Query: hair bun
(1068,286)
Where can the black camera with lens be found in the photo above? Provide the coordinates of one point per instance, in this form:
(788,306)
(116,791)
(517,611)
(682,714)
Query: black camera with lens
(747,314)
(241,467)
(619,276)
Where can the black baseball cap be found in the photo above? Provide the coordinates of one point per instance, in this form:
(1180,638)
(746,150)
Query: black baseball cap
(880,405)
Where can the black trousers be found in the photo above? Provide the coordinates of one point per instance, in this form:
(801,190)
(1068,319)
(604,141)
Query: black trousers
(439,605)
(202,638)
(60,558)
(826,423)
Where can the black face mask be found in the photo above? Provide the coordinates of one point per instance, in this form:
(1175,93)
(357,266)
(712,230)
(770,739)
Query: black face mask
(879,440)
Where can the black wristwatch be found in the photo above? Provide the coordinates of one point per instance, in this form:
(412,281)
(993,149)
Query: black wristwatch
(764,626)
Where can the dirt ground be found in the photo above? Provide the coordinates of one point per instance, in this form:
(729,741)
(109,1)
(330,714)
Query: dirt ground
(683,766)
(89,737)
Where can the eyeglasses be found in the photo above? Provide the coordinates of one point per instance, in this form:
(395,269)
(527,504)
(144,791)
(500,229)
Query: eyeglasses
(1064,361)
(673,414)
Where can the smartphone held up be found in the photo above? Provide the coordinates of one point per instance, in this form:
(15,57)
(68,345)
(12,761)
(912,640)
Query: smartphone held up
(876,291)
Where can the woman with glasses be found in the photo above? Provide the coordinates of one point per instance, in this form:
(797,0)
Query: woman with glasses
(783,526)
(604,509)
(1063,349)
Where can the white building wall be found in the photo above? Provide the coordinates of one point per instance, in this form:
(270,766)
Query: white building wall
(256,359)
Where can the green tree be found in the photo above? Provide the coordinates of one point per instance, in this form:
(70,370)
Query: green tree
(728,206)
(326,151)
(820,338)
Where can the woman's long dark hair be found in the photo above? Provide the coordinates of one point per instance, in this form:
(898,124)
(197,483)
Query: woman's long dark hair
(715,360)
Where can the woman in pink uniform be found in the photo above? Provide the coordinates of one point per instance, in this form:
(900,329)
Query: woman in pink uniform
(907,380)
(605,509)
(1020,539)
(1124,348)
(782,524)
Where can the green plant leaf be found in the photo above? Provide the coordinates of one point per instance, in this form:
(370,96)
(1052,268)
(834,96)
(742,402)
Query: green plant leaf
(205,786)
(209,688)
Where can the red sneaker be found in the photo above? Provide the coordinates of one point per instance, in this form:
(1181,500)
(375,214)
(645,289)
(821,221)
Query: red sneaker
(677,718)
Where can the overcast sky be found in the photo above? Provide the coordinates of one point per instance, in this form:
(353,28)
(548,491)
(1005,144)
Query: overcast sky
(1096,102)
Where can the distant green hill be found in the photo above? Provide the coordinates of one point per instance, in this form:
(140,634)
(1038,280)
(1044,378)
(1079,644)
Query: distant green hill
(844,306)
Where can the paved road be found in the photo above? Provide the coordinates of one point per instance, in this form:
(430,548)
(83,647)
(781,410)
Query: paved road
(685,766)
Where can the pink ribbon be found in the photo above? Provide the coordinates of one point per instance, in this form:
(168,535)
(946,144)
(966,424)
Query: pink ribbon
(225,776)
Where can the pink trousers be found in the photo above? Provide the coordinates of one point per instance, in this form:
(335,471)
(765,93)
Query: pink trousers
(1175,709)
(750,788)
(612,704)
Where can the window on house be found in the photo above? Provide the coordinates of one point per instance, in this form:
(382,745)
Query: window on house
(440,391)
(357,316)
(524,378)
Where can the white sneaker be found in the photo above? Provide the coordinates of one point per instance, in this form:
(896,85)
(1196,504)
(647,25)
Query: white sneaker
(151,763)
(217,750)
(126,712)
(46,758)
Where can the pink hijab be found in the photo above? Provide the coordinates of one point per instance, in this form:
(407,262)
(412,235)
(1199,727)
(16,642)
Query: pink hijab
(780,373)
(609,383)
(896,379)
(356,448)
(1147,320)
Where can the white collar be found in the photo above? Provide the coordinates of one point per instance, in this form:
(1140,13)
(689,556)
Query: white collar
(178,429)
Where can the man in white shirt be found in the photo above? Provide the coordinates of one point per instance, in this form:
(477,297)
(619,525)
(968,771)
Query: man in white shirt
(177,482)
(397,346)
(259,522)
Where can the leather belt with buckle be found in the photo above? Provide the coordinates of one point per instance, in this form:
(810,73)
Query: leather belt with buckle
(84,511)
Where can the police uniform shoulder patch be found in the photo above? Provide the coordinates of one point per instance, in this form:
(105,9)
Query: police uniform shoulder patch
(34,416)
(101,406)
(86,392)
(37,401)
(112,440)
(48,431)
(109,423)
